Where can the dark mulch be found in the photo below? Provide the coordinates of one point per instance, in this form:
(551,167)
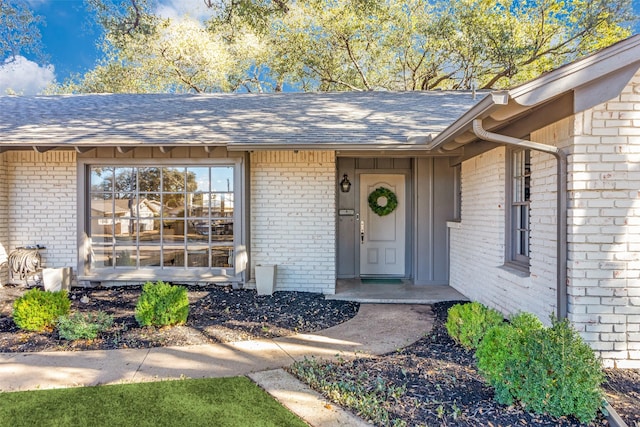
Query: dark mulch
(216,314)
(443,386)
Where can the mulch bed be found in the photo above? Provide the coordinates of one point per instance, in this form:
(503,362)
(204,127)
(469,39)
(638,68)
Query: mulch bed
(216,315)
(443,386)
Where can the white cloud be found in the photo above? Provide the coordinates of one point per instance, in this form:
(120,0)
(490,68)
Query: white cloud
(195,9)
(24,77)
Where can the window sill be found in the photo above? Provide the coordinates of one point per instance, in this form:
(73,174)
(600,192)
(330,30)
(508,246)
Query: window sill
(454,224)
(516,269)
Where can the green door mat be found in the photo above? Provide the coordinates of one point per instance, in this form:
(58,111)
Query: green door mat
(380,281)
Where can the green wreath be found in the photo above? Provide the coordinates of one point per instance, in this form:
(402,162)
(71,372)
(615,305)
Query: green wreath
(390,204)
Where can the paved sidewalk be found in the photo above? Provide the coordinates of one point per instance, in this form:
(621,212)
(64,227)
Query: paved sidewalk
(376,329)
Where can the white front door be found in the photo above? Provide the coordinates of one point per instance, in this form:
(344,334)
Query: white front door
(382,234)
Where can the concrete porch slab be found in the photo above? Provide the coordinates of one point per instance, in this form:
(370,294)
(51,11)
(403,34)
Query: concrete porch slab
(404,293)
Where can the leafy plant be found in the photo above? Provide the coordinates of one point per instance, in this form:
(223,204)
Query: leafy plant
(84,325)
(162,304)
(499,346)
(467,323)
(38,310)
(365,395)
(557,374)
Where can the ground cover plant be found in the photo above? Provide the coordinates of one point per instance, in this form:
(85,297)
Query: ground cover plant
(223,402)
(87,326)
(436,383)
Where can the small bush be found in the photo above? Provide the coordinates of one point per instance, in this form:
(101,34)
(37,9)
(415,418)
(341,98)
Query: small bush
(467,323)
(38,310)
(162,304)
(499,346)
(558,374)
(84,326)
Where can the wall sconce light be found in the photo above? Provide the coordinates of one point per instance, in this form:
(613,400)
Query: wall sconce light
(345,184)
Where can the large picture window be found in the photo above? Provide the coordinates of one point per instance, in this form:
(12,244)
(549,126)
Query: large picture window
(518,227)
(169,217)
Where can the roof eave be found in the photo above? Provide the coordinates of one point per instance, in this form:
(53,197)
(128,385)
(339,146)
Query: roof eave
(589,81)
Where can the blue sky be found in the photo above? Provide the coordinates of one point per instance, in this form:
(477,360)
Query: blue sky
(70,40)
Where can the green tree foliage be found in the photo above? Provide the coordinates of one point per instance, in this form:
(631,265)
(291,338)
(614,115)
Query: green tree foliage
(19,33)
(329,45)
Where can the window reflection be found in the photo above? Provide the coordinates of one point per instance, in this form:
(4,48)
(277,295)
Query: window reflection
(165,217)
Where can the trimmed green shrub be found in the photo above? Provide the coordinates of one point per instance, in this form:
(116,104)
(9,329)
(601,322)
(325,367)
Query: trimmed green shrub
(38,310)
(467,323)
(499,346)
(84,325)
(162,304)
(556,372)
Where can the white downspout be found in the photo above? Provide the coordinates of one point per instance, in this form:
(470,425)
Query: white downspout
(561,221)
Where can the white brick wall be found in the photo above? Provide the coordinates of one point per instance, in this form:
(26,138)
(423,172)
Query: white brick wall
(41,204)
(293,217)
(4,223)
(478,245)
(604,221)
(603,229)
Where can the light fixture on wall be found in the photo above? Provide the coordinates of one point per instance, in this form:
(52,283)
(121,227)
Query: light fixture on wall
(345,184)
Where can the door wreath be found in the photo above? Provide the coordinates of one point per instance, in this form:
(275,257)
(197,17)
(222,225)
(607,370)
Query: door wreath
(382,201)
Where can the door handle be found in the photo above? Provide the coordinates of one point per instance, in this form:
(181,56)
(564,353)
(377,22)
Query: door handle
(362,232)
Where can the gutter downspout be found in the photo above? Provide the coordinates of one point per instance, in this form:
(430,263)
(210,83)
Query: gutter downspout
(562,210)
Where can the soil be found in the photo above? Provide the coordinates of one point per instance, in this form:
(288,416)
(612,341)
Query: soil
(443,386)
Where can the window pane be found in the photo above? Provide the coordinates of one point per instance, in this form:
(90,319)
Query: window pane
(126,256)
(101,179)
(125,181)
(173,180)
(222,231)
(198,256)
(222,178)
(222,205)
(102,256)
(221,256)
(150,254)
(173,205)
(198,180)
(173,255)
(173,231)
(149,179)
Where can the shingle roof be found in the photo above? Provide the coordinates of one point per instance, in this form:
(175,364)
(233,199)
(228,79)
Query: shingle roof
(370,119)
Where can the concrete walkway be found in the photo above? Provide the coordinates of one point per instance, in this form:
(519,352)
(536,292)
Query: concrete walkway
(376,329)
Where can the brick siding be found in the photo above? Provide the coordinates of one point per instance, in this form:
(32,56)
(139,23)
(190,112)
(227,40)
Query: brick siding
(41,204)
(478,244)
(604,223)
(603,229)
(4,206)
(293,217)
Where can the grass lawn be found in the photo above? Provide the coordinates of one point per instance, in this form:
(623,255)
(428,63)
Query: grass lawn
(202,402)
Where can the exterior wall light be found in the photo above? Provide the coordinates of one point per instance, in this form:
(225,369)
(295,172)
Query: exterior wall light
(345,184)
